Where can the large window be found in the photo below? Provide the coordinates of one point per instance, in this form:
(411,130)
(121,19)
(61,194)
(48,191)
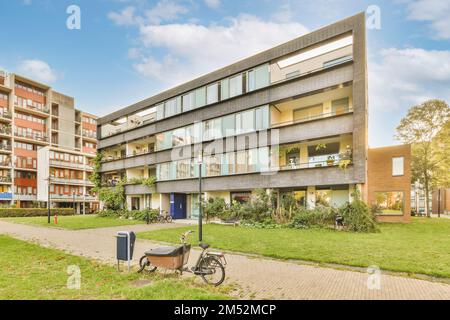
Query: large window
(189,101)
(236,86)
(212,93)
(390,203)
(200,97)
(258,78)
(340,106)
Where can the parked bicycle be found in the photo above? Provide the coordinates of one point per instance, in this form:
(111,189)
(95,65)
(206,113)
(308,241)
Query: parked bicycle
(210,265)
(164,217)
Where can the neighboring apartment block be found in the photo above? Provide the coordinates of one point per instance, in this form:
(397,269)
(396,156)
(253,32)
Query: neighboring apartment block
(43,135)
(291,119)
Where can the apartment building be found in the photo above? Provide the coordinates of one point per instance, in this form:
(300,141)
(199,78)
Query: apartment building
(43,135)
(290,119)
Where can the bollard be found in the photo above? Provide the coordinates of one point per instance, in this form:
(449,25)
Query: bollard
(55,219)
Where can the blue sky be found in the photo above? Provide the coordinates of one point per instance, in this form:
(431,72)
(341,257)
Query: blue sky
(128,50)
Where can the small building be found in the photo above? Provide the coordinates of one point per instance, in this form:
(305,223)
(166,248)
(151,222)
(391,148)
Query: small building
(389,182)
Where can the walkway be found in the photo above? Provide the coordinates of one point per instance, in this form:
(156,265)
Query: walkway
(258,278)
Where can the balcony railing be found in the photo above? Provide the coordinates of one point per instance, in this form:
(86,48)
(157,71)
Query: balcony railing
(5,163)
(90,135)
(6,179)
(70,181)
(4,113)
(310,118)
(6,196)
(5,147)
(36,137)
(67,164)
(30,107)
(25,197)
(332,160)
(5,130)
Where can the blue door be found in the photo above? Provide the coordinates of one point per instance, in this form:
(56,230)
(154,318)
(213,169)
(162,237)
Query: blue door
(178,205)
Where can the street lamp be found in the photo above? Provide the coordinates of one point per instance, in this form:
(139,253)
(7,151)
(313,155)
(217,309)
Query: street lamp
(200,211)
(48,199)
(73,201)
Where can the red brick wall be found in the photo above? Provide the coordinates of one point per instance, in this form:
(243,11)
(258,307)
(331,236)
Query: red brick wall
(380,178)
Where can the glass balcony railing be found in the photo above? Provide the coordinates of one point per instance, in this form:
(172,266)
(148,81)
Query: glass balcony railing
(31,136)
(6,196)
(5,179)
(312,117)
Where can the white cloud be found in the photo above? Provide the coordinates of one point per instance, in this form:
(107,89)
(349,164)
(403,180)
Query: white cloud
(214,4)
(126,17)
(405,77)
(37,69)
(165,10)
(193,49)
(436,12)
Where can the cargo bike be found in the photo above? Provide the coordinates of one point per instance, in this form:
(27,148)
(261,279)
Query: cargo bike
(210,265)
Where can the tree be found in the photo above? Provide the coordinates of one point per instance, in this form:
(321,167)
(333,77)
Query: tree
(425,127)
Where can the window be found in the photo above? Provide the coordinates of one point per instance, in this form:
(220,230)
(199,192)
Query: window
(160,112)
(189,101)
(240,197)
(179,137)
(390,203)
(397,166)
(340,106)
(236,86)
(224,89)
(248,121)
(200,97)
(229,125)
(172,107)
(212,93)
(262,118)
(251,80)
(323,197)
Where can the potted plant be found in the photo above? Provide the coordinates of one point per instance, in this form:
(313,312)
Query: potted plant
(330,161)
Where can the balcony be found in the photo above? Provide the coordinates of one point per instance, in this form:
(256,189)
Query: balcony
(33,136)
(57,180)
(5,163)
(66,164)
(25,197)
(5,114)
(37,111)
(5,130)
(6,196)
(127,123)
(5,147)
(5,180)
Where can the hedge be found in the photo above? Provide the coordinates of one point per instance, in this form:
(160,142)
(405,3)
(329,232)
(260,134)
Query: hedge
(33,212)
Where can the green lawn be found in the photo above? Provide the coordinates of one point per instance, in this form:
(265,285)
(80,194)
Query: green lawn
(75,222)
(421,247)
(30,272)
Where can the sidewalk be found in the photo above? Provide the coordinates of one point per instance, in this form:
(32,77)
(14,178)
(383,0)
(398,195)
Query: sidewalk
(258,278)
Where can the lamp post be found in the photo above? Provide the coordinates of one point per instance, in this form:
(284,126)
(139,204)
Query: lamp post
(200,210)
(48,199)
(73,201)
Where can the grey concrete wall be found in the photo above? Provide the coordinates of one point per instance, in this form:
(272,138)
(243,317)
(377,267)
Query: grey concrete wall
(283,179)
(138,190)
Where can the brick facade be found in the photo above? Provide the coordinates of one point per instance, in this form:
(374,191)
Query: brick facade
(381,179)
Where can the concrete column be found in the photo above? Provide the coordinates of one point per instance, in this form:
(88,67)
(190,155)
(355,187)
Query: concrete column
(311,197)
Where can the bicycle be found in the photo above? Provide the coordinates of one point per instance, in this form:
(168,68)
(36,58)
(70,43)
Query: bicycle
(164,217)
(210,266)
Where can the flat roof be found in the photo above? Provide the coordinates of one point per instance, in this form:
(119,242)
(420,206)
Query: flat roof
(314,37)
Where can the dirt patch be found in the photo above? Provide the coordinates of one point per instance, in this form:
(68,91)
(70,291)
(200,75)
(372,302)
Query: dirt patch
(141,283)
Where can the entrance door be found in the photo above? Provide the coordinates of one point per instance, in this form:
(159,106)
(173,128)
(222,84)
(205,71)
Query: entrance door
(178,205)
(135,203)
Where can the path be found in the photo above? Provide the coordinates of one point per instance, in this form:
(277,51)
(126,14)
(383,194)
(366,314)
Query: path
(258,277)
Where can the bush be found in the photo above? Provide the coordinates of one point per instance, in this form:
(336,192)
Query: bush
(215,208)
(258,209)
(319,217)
(358,217)
(33,212)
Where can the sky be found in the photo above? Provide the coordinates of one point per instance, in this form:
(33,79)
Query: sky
(127,50)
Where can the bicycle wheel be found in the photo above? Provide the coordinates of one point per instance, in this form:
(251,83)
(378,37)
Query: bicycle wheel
(169,219)
(144,264)
(212,271)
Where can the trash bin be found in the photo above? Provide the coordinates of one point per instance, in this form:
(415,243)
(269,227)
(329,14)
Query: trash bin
(125,247)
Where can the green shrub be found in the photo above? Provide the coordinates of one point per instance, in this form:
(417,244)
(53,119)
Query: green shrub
(33,212)
(259,207)
(317,217)
(134,214)
(358,217)
(109,213)
(215,208)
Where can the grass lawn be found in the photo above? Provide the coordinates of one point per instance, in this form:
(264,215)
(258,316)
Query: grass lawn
(421,247)
(75,222)
(30,272)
